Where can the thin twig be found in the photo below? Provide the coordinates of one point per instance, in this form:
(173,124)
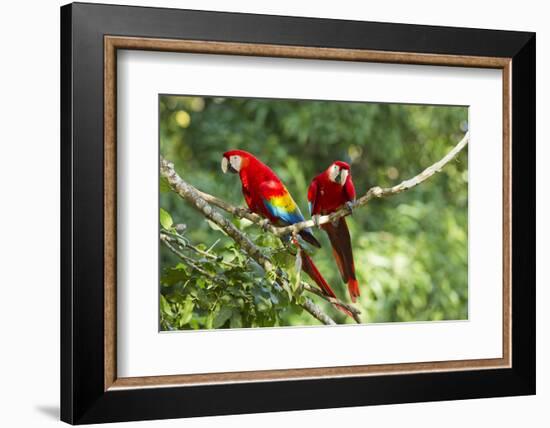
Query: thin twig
(186,245)
(334,301)
(213,245)
(165,240)
(211,256)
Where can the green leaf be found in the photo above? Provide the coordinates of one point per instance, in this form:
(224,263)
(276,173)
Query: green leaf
(223,315)
(174,275)
(263,304)
(165,219)
(187,313)
(209,320)
(164,186)
(271,276)
(214,226)
(236,320)
(165,306)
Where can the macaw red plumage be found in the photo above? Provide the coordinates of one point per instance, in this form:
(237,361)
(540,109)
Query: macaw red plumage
(267,196)
(328,192)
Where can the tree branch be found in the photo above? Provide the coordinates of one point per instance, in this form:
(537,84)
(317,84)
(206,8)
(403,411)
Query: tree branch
(334,301)
(316,312)
(373,192)
(239,212)
(192,195)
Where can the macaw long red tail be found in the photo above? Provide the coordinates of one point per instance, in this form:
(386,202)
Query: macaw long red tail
(309,267)
(353,288)
(341,249)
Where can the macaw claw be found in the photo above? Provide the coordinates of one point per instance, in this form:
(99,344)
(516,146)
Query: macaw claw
(316,220)
(349,206)
(264,224)
(243,212)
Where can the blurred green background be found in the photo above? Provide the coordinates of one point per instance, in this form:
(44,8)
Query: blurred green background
(410,250)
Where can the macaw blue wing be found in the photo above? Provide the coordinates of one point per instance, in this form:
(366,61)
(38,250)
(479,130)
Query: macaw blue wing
(284,208)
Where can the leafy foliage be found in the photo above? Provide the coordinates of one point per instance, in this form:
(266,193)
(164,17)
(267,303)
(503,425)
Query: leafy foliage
(223,287)
(410,250)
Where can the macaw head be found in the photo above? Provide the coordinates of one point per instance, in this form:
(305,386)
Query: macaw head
(235,160)
(338,172)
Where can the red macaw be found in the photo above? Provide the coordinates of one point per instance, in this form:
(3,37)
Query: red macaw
(267,196)
(328,192)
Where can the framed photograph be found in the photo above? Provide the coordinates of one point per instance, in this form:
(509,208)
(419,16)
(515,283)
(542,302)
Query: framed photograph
(320,213)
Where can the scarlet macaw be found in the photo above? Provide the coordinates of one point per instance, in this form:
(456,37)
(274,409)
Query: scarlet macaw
(267,196)
(328,192)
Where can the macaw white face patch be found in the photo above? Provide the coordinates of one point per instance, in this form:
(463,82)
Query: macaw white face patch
(235,162)
(333,172)
(337,175)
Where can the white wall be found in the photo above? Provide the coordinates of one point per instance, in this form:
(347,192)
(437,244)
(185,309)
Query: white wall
(29,243)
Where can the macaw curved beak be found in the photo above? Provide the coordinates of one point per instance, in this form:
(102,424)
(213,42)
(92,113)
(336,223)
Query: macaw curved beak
(228,167)
(225,162)
(342,176)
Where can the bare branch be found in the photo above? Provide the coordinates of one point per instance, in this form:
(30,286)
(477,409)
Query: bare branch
(334,301)
(379,192)
(373,192)
(239,212)
(316,312)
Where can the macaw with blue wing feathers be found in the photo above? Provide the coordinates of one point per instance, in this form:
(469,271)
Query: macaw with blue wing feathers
(267,196)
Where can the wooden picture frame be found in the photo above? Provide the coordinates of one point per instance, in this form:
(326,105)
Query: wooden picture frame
(91,390)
